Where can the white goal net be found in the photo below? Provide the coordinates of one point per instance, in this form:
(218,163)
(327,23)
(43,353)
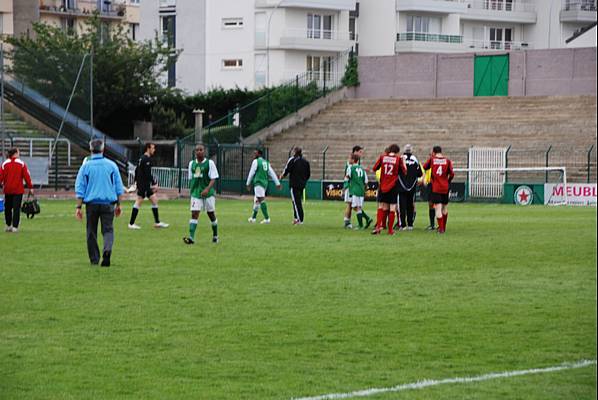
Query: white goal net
(489,183)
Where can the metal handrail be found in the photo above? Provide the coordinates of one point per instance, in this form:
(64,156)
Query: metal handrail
(49,140)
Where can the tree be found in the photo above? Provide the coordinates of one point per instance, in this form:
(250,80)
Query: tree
(126,74)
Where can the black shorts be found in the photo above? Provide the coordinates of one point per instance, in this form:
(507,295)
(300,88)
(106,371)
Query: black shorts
(389,197)
(426,192)
(439,198)
(145,193)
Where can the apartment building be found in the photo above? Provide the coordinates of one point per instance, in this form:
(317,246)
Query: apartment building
(16,16)
(398,26)
(250,43)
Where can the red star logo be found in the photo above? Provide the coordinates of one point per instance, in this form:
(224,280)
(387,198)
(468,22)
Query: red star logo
(523,196)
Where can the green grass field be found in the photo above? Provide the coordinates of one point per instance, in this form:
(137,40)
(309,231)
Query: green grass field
(280,312)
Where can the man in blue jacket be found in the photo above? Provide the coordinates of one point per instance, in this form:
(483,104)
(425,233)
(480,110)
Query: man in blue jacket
(99,186)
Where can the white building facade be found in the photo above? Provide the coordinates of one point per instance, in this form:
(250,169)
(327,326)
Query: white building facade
(388,27)
(249,43)
(257,43)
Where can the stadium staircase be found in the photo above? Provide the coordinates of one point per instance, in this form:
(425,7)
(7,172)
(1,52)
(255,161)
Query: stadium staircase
(529,124)
(78,131)
(33,142)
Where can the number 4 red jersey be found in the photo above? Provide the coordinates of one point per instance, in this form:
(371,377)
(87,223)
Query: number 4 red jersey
(390,165)
(442,173)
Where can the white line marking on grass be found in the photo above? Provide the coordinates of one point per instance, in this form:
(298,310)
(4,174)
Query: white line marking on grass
(469,379)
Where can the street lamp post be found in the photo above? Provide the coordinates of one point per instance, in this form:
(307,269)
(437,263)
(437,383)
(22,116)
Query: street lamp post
(268,43)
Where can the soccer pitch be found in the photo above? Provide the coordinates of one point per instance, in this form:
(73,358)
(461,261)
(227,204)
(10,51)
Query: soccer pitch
(280,311)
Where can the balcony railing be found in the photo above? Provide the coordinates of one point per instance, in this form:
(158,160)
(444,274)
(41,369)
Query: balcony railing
(167,3)
(317,34)
(428,37)
(106,11)
(579,5)
(495,45)
(502,5)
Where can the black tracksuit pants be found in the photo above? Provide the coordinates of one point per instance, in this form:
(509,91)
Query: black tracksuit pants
(297,198)
(407,207)
(12,209)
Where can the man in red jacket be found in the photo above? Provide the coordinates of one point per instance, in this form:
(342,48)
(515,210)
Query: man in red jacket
(12,174)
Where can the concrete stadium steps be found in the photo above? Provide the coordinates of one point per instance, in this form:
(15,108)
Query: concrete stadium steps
(529,124)
(21,132)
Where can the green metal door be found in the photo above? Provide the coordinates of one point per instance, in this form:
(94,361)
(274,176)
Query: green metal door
(491,75)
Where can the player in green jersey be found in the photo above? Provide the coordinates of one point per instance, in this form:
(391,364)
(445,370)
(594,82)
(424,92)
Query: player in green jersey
(202,176)
(258,177)
(357,185)
(358,151)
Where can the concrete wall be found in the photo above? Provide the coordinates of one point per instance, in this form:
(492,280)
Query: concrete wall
(558,72)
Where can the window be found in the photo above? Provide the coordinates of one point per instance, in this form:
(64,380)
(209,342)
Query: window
(168,29)
(319,26)
(423,24)
(232,23)
(232,63)
(68,4)
(319,68)
(133,2)
(501,38)
(133,31)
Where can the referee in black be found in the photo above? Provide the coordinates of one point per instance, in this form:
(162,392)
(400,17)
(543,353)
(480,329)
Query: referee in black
(298,170)
(407,185)
(147,186)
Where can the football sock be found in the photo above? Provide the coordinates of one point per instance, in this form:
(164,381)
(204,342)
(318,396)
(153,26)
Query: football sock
(444,219)
(398,218)
(255,210)
(347,221)
(192,228)
(432,215)
(215,228)
(156,215)
(360,219)
(134,215)
(439,223)
(379,218)
(264,208)
(367,217)
(391,222)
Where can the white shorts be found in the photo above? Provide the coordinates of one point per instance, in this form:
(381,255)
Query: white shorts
(207,204)
(347,196)
(259,191)
(357,201)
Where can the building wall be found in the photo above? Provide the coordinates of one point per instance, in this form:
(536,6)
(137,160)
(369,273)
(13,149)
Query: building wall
(6,16)
(24,13)
(532,73)
(588,39)
(377,27)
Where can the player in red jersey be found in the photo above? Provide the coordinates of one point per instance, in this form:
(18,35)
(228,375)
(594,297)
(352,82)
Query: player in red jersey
(442,175)
(390,165)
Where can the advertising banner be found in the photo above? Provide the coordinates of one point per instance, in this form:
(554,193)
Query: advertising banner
(578,194)
(333,190)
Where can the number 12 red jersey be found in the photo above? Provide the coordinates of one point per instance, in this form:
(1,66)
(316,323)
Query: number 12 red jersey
(442,173)
(389,165)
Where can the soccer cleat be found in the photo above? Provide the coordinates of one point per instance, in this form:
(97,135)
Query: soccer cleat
(402,228)
(391,233)
(215,239)
(8,229)
(265,222)
(161,225)
(133,226)
(14,230)
(348,226)
(106,259)
(251,220)
(409,228)
(376,230)
(296,222)
(440,231)
(430,228)
(368,222)
(188,240)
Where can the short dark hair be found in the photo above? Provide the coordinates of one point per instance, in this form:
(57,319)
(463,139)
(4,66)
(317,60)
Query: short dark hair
(394,148)
(298,152)
(149,145)
(437,149)
(96,146)
(356,149)
(12,152)
(355,158)
(259,152)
